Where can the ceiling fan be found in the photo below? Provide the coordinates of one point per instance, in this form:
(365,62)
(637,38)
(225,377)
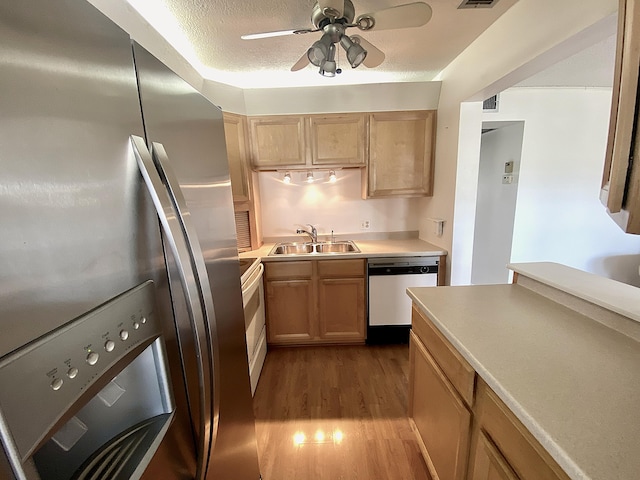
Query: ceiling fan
(333,17)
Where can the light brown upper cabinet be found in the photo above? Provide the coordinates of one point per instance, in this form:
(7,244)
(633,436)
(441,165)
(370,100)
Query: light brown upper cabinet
(308,141)
(244,183)
(621,179)
(277,141)
(401,154)
(338,140)
(237,154)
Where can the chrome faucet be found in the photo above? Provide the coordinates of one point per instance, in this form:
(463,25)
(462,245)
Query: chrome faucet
(313,233)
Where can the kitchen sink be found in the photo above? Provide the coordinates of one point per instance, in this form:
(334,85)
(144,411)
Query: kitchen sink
(292,249)
(344,246)
(336,247)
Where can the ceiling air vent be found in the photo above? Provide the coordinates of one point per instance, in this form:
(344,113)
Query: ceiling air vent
(490,104)
(478,3)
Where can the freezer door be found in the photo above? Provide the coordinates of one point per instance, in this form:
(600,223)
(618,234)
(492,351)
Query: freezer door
(186,134)
(78,226)
(74,228)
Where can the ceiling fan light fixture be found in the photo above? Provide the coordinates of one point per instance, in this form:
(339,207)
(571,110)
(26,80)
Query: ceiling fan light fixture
(355,52)
(319,51)
(328,67)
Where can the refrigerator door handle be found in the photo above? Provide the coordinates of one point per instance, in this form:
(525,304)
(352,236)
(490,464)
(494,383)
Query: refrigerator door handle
(163,166)
(193,291)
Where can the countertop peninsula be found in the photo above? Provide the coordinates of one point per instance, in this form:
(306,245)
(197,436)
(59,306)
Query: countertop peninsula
(561,349)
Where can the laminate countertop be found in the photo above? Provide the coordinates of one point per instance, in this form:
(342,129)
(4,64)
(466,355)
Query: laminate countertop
(572,380)
(412,247)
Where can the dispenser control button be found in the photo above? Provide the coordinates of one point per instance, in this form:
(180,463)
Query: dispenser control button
(72,372)
(109,345)
(136,325)
(124,335)
(56,384)
(92,358)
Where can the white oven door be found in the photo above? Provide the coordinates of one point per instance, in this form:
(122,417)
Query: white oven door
(254,319)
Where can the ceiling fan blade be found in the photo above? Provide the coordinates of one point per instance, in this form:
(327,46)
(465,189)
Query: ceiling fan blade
(403,16)
(374,56)
(332,7)
(300,64)
(280,33)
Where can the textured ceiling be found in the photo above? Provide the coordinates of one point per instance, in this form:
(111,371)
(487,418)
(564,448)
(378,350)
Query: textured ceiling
(207,33)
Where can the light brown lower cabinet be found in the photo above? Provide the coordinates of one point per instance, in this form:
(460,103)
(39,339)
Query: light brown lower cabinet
(521,451)
(441,418)
(489,464)
(464,430)
(315,301)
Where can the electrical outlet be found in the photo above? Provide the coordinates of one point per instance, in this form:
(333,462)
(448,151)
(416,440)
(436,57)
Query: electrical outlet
(365,225)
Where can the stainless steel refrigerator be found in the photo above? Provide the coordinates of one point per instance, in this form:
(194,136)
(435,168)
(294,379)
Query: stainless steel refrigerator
(122,343)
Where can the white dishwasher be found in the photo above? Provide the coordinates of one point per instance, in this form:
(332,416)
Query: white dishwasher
(389,307)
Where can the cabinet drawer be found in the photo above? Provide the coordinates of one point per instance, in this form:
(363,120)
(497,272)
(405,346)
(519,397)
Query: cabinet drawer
(455,367)
(522,451)
(341,268)
(285,270)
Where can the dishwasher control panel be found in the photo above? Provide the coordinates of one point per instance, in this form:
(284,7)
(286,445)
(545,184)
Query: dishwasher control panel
(402,266)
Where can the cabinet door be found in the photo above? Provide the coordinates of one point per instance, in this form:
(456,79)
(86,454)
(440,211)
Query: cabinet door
(277,141)
(621,177)
(289,311)
(524,454)
(237,154)
(401,150)
(341,309)
(338,140)
(440,416)
(489,464)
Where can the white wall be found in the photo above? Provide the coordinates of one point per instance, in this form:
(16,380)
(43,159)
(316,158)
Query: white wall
(328,206)
(496,203)
(559,217)
(529,37)
(374,97)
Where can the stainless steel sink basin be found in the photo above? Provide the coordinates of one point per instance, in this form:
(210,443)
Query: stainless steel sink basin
(292,249)
(345,246)
(336,247)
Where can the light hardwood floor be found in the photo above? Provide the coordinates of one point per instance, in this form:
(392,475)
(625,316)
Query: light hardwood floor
(330,413)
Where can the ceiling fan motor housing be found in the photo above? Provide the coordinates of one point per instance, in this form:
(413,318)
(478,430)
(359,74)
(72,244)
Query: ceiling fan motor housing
(320,19)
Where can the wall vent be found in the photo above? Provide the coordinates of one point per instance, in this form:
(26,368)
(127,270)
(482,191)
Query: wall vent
(478,3)
(243,230)
(490,104)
